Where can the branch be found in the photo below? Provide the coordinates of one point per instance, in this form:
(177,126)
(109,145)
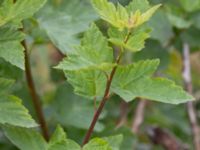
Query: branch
(101,106)
(35,97)
(105,97)
(190,106)
(164,138)
(139,116)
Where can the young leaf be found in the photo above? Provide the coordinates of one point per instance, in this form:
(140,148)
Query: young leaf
(59,141)
(94,53)
(134,81)
(58,135)
(10,47)
(97,144)
(138,19)
(119,16)
(65,145)
(136,39)
(25,139)
(11,110)
(109,13)
(21,9)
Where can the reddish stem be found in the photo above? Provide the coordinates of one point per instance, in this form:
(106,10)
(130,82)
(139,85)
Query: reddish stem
(35,97)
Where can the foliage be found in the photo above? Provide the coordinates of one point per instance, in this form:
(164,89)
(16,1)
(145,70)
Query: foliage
(83,54)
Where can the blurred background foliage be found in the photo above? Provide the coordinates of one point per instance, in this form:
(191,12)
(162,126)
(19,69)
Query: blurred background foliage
(60,24)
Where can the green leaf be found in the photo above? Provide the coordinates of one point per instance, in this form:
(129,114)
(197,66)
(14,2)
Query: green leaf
(90,84)
(10,48)
(109,12)
(19,10)
(11,109)
(64,22)
(94,53)
(65,145)
(30,139)
(59,141)
(114,141)
(136,39)
(5,85)
(25,139)
(97,144)
(119,16)
(134,81)
(58,136)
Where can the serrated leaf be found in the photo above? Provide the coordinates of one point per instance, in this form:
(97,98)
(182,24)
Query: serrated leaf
(97,144)
(108,12)
(10,48)
(134,81)
(93,53)
(30,139)
(65,145)
(58,136)
(90,84)
(11,109)
(120,17)
(136,39)
(64,22)
(136,19)
(21,9)
(24,138)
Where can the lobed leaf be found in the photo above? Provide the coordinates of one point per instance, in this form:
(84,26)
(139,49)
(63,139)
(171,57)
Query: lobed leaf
(134,81)
(25,138)
(93,53)
(97,144)
(10,48)
(11,109)
(120,17)
(21,9)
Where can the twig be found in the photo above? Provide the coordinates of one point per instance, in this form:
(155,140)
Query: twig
(164,138)
(139,116)
(190,107)
(105,97)
(101,106)
(35,97)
